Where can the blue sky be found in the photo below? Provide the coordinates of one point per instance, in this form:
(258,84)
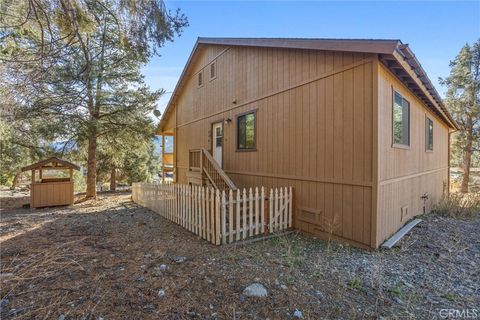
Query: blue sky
(435,31)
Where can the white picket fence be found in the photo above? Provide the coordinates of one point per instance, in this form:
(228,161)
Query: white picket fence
(217,216)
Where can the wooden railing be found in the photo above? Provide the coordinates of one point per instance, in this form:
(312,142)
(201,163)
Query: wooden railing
(214,173)
(201,160)
(219,217)
(194,157)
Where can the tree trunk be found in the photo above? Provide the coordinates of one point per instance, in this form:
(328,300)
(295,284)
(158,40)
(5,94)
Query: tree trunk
(467,156)
(113,178)
(15,181)
(92,167)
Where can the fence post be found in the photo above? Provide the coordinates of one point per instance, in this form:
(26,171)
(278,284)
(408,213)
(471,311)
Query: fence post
(237,217)
(292,203)
(217,217)
(186,206)
(244,218)
(199,211)
(263,203)
(223,218)
(212,216)
(165,200)
(190,208)
(281,211)
(169,202)
(195,209)
(183,206)
(199,203)
(177,211)
(204,220)
(179,204)
(230,216)
(257,213)
(207,212)
(160,189)
(287,210)
(172,202)
(271,203)
(251,212)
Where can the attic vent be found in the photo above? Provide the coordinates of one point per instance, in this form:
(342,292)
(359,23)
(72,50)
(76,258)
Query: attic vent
(213,71)
(200,79)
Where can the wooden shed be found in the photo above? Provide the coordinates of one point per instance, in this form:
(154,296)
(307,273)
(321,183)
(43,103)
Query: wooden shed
(51,190)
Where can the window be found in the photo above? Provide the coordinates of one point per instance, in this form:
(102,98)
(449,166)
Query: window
(200,79)
(246,127)
(213,71)
(428,134)
(401,120)
(218,137)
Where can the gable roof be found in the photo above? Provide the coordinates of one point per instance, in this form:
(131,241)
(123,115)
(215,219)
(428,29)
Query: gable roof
(55,161)
(395,55)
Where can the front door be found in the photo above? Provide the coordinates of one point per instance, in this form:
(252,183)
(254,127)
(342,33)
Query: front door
(217,142)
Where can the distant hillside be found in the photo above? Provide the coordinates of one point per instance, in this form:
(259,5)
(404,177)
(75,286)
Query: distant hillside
(157,141)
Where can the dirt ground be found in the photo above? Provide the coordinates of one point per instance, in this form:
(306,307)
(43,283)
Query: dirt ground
(111,259)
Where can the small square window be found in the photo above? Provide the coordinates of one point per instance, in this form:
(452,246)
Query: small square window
(200,79)
(428,134)
(401,120)
(213,71)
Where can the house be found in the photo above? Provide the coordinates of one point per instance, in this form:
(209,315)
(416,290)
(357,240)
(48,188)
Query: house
(354,126)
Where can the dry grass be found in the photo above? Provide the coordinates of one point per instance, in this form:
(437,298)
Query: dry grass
(100,259)
(459,205)
(24,277)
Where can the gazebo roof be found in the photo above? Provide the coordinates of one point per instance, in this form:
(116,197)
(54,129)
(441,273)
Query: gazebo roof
(51,163)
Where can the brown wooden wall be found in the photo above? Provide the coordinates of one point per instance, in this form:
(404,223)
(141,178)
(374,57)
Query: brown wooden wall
(315,125)
(406,174)
(51,194)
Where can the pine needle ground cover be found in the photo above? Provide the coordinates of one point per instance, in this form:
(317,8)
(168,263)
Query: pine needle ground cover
(110,259)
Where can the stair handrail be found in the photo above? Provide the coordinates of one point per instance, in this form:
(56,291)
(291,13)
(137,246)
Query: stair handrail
(219,170)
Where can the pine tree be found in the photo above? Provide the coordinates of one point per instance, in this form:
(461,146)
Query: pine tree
(463,101)
(75,64)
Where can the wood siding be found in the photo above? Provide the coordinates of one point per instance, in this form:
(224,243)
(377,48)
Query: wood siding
(51,194)
(315,129)
(404,175)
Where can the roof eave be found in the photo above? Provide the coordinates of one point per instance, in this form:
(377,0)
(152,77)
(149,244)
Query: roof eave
(350,45)
(39,164)
(169,106)
(395,48)
(404,52)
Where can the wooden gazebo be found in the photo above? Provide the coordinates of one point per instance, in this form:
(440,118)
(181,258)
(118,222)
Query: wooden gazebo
(49,191)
